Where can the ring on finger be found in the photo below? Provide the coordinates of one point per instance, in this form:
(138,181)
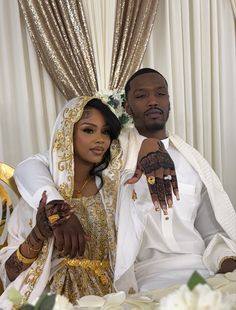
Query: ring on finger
(151,180)
(167,177)
(53,218)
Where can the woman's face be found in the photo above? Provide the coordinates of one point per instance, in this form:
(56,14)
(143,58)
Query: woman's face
(91,137)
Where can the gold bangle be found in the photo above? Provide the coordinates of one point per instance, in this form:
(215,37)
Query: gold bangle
(24,259)
(53,218)
(225,258)
(35,250)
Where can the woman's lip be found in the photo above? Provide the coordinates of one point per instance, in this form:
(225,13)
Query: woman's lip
(97,151)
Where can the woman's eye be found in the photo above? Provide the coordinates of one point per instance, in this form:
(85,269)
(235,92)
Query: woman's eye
(106,132)
(88,130)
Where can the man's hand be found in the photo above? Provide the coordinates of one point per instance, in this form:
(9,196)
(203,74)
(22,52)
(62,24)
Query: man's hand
(228,265)
(159,168)
(70,237)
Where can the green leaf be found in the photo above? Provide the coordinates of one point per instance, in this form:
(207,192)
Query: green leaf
(27,307)
(194,280)
(45,302)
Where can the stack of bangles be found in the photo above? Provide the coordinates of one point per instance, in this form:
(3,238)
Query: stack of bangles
(23,259)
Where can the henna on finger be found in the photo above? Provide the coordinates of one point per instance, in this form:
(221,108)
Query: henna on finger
(168,191)
(174,185)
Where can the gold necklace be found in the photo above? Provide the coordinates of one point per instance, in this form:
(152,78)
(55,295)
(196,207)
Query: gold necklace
(79,191)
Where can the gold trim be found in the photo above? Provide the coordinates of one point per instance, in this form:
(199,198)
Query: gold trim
(97,266)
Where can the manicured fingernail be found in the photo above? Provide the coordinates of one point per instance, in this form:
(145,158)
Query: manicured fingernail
(165,212)
(177,196)
(170,203)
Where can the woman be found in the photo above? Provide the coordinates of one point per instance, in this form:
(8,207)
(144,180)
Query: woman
(83,145)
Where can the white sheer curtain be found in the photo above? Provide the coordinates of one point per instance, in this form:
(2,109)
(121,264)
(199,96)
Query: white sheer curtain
(100,16)
(193,44)
(29,102)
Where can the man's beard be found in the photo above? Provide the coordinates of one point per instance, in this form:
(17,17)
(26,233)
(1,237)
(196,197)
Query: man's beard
(155,127)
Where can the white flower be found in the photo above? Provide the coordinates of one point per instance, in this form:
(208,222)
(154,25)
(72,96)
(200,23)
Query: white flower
(114,99)
(14,296)
(202,297)
(62,303)
(110,301)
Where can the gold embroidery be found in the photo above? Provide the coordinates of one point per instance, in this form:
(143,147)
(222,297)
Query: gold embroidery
(134,195)
(97,266)
(30,223)
(91,275)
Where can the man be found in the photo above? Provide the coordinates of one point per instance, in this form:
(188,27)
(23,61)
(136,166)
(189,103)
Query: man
(157,249)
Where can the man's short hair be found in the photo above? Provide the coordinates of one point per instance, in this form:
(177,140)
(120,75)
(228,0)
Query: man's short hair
(140,72)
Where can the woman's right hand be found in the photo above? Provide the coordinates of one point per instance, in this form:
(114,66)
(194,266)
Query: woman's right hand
(70,238)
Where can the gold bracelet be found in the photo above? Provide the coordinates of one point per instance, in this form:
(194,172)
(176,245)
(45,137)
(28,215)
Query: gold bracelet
(35,250)
(225,258)
(24,259)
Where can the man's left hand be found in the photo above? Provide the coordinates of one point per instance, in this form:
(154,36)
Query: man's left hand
(155,162)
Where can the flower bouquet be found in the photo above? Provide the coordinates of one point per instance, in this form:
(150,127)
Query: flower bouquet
(195,295)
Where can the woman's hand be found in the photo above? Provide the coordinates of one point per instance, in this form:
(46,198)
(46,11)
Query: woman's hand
(70,237)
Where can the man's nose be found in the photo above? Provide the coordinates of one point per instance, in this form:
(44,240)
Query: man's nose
(152,100)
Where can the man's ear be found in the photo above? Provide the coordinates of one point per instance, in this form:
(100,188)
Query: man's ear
(128,108)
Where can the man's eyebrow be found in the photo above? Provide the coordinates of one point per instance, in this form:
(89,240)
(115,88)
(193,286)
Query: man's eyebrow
(144,89)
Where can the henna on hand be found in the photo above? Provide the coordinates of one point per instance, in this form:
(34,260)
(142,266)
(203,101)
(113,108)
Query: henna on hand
(42,230)
(155,162)
(59,208)
(14,267)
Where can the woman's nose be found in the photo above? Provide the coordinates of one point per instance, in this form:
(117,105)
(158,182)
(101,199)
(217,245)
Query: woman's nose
(100,139)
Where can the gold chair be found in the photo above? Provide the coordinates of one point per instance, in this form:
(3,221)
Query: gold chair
(9,195)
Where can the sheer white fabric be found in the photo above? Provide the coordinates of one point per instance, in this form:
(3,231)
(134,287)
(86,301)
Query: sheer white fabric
(100,15)
(193,44)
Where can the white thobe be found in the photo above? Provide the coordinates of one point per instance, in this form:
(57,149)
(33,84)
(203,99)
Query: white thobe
(154,252)
(172,247)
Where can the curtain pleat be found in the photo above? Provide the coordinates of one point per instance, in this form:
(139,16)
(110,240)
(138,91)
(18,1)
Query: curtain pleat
(233,2)
(134,22)
(59,33)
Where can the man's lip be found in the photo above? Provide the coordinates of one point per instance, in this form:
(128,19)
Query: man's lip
(154,111)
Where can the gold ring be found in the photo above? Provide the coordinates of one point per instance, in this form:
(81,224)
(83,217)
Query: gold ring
(151,180)
(53,218)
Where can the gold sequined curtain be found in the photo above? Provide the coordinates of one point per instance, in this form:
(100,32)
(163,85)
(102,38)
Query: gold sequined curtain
(59,33)
(134,22)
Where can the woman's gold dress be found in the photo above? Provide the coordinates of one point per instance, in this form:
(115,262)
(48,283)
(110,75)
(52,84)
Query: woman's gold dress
(93,275)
